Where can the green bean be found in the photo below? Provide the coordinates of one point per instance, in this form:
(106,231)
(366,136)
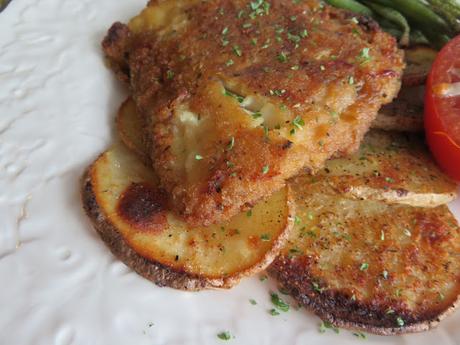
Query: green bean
(395,17)
(449,10)
(417,37)
(418,13)
(351,5)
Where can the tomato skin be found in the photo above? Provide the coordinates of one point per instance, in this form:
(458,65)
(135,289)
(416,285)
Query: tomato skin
(443,145)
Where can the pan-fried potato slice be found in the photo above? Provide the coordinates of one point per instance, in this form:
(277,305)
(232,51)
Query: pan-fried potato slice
(130,128)
(404,114)
(391,167)
(380,268)
(418,64)
(122,198)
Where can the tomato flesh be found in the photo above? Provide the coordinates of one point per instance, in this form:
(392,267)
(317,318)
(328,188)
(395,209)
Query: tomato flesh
(442,113)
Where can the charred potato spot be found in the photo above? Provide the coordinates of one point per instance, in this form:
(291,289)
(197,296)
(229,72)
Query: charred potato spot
(143,207)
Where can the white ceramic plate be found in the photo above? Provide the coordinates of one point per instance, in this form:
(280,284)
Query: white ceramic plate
(59,284)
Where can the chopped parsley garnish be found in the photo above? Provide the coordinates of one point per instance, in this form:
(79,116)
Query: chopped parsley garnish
(240,14)
(254,41)
(277,92)
(265,169)
(354,20)
(382,235)
(293,18)
(198,157)
(252,301)
(249,213)
(231,144)
(239,98)
(298,122)
(229,62)
(295,67)
(265,237)
(351,80)
(400,321)
(364,266)
(274,312)
(407,232)
(297,220)
(364,56)
(303,33)
(237,50)
(224,335)
(225,31)
(246,25)
(263,278)
(327,325)
(225,41)
(360,335)
(282,57)
(294,252)
(293,38)
(169,74)
(279,303)
(389,180)
(256,115)
(389,311)
(310,216)
(316,287)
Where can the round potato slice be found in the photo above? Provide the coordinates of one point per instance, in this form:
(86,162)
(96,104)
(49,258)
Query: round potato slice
(129,210)
(130,129)
(367,265)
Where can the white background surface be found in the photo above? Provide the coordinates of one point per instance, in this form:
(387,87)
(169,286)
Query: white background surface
(59,284)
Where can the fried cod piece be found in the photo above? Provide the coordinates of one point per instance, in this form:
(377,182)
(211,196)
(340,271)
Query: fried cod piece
(238,96)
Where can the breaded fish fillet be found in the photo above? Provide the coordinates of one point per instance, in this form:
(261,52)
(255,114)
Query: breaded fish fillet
(238,96)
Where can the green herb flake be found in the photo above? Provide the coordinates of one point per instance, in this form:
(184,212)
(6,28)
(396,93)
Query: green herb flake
(279,303)
(256,115)
(297,220)
(364,56)
(303,33)
(263,278)
(293,38)
(225,30)
(169,75)
(316,287)
(224,335)
(360,335)
(254,41)
(295,67)
(229,62)
(293,18)
(407,232)
(364,266)
(399,321)
(351,80)
(265,169)
(389,180)
(249,213)
(354,20)
(252,301)
(240,14)
(237,50)
(298,122)
(225,42)
(389,311)
(198,157)
(265,237)
(231,144)
(382,235)
(274,312)
(325,325)
(282,57)
(246,25)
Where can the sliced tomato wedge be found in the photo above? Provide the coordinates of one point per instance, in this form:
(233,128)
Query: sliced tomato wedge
(442,109)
